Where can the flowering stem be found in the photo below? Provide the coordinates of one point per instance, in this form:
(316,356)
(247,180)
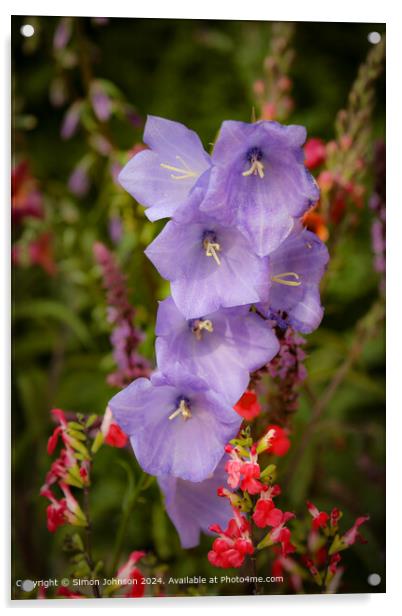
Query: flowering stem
(121,533)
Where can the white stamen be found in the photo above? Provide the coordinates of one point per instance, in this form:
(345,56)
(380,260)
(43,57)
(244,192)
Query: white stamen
(185,172)
(200,325)
(257,168)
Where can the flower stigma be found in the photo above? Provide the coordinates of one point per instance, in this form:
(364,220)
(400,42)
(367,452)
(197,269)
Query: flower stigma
(211,246)
(198,325)
(183,409)
(283,279)
(254,157)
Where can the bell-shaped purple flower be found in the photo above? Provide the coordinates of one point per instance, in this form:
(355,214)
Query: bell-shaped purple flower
(161,178)
(258,181)
(209,265)
(194,506)
(222,347)
(176,424)
(297,267)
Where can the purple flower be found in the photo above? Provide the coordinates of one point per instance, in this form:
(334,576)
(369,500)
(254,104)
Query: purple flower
(78,182)
(162,177)
(62,33)
(210,265)
(194,506)
(259,182)
(297,267)
(101,103)
(71,120)
(176,424)
(222,347)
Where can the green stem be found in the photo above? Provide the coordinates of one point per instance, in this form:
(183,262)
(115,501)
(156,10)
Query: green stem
(121,533)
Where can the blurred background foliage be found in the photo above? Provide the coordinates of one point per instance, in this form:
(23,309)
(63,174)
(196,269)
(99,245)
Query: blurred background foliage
(198,73)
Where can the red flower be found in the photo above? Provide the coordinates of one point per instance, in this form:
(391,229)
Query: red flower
(333,563)
(248,406)
(134,577)
(279,443)
(266,514)
(25,197)
(315,152)
(280,534)
(335,516)
(320,518)
(112,433)
(116,437)
(56,515)
(231,548)
(251,473)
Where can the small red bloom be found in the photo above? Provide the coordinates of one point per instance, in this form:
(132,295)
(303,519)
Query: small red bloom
(335,516)
(248,406)
(315,152)
(280,443)
(56,515)
(251,473)
(266,514)
(116,437)
(231,548)
(320,518)
(112,433)
(333,563)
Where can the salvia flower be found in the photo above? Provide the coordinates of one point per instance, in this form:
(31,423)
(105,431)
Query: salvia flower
(233,544)
(177,425)
(259,182)
(112,433)
(210,266)
(222,347)
(194,506)
(64,511)
(248,406)
(265,512)
(279,443)
(320,518)
(130,576)
(161,178)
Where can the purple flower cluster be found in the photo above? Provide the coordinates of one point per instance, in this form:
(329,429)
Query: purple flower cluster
(125,337)
(234,249)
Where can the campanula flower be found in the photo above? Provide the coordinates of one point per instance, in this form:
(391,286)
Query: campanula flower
(258,181)
(222,347)
(177,425)
(210,265)
(161,178)
(296,268)
(194,506)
